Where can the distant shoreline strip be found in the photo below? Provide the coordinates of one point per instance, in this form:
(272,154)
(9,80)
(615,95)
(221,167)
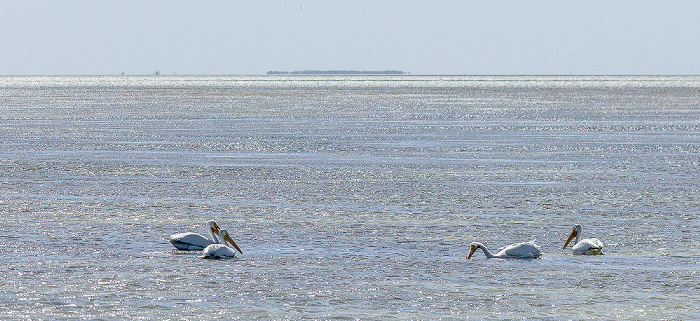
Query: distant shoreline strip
(338,72)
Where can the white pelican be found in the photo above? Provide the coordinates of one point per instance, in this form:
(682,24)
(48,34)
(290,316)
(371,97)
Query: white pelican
(190,241)
(524,250)
(221,250)
(586,246)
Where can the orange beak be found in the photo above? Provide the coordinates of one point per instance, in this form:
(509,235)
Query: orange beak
(215,229)
(571,237)
(230,240)
(471,252)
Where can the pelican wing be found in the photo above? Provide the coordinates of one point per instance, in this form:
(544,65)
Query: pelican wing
(189,241)
(590,246)
(218,251)
(521,250)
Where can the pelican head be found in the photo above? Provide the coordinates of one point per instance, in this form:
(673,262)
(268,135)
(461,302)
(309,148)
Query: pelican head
(574,234)
(223,234)
(213,227)
(472,248)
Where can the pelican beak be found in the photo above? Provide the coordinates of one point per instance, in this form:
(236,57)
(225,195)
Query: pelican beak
(571,237)
(230,240)
(471,252)
(214,229)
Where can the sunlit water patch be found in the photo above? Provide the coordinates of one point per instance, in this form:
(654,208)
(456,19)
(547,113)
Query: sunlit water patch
(351,197)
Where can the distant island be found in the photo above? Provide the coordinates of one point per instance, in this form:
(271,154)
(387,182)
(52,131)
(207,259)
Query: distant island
(338,72)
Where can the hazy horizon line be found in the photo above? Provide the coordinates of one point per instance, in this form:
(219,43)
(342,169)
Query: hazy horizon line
(349,74)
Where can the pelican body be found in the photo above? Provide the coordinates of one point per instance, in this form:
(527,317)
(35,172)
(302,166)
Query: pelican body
(221,250)
(190,241)
(524,250)
(592,246)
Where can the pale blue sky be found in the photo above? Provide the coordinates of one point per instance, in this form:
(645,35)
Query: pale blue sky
(422,37)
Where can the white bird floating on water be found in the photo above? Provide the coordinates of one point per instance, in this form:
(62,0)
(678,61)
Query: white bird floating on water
(524,250)
(221,250)
(592,246)
(190,241)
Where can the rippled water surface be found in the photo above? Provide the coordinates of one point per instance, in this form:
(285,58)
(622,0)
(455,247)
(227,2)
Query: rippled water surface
(351,197)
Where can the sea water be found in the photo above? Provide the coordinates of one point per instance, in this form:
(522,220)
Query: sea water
(352,197)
